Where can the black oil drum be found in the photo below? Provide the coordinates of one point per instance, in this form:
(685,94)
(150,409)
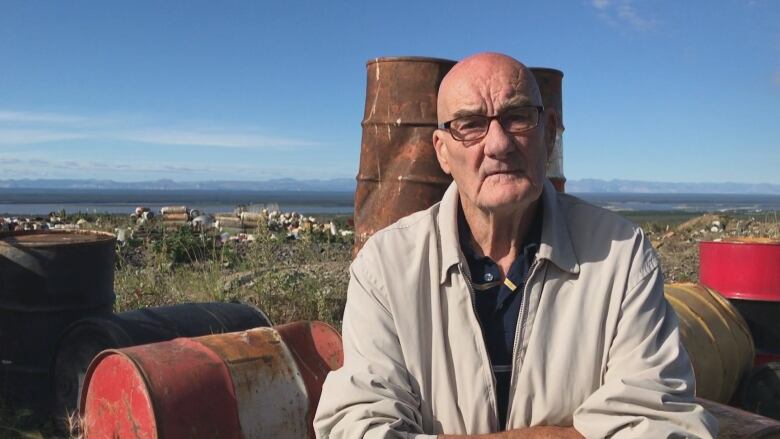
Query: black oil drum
(48,280)
(86,338)
(760,392)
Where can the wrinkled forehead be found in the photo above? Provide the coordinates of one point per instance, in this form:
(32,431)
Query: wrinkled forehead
(486,89)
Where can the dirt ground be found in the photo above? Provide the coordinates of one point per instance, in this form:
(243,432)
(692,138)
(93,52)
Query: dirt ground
(677,242)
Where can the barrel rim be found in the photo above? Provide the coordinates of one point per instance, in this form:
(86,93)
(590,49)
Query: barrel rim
(547,70)
(409,58)
(103,238)
(92,322)
(736,241)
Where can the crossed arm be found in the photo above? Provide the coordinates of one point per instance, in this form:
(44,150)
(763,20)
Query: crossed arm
(370,396)
(524,433)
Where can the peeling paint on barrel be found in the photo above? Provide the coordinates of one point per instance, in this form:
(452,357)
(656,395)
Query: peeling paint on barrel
(270,392)
(317,349)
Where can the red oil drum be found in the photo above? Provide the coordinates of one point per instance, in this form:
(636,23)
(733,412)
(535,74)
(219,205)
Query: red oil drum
(256,383)
(745,269)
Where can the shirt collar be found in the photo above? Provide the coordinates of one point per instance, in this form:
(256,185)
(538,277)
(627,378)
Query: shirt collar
(555,244)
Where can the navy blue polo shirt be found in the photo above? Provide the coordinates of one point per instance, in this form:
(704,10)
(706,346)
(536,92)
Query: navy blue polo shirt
(497,301)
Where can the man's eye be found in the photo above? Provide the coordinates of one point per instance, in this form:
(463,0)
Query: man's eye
(468,124)
(519,116)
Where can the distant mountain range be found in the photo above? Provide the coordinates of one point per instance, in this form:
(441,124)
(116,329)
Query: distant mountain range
(589,185)
(348,185)
(281,184)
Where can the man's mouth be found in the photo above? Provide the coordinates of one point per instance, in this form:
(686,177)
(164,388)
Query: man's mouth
(503,172)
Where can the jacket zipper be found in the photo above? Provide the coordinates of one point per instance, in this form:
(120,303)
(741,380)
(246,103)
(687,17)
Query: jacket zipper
(467,274)
(518,332)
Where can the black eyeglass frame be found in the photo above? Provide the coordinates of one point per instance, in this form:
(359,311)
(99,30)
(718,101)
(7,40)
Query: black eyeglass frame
(446,125)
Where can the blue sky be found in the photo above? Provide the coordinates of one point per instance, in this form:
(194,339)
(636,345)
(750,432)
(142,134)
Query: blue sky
(655,90)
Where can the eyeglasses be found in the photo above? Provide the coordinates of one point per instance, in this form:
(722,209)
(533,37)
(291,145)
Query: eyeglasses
(474,127)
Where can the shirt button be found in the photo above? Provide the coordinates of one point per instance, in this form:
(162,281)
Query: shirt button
(488,277)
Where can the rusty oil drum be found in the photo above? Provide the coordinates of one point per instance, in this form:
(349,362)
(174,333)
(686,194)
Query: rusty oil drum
(716,337)
(48,280)
(84,339)
(550,83)
(259,383)
(399,173)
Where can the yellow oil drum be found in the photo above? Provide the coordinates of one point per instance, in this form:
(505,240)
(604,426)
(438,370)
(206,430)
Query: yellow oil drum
(716,337)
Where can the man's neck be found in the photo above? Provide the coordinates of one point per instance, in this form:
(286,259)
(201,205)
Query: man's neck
(499,236)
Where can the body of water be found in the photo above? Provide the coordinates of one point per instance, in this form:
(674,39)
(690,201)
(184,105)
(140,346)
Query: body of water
(41,202)
(684,202)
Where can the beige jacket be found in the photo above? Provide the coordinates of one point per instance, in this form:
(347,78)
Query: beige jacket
(597,347)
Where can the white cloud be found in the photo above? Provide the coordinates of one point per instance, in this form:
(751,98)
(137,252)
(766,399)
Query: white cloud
(41,135)
(628,14)
(39,117)
(25,127)
(623,12)
(11,164)
(201,138)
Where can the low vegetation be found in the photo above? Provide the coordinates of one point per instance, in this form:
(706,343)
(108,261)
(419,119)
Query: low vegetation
(306,278)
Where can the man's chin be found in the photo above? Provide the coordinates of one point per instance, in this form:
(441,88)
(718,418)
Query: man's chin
(503,199)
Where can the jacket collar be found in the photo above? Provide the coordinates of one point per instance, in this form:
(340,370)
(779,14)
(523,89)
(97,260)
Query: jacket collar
(556,245)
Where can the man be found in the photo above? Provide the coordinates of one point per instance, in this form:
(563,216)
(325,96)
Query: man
(507,310)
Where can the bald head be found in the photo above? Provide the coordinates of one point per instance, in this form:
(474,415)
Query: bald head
(480,80)
(502,172)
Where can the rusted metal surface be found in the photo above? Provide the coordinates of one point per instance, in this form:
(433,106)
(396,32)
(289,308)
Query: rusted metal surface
(551,87)
(399,173)
(83,340)
(716,338)
(117,386)
(317,350)
(269,389)
(739,424)
(745,269)
(174,389)
(48,280)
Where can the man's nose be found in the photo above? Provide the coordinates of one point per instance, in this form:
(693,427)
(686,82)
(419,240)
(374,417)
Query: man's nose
(497,141)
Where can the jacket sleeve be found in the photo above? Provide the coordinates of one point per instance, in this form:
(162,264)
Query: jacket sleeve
(648,386)
(370,396)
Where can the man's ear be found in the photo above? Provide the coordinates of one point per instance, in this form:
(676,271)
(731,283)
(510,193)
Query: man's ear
(550,129)
(441,150)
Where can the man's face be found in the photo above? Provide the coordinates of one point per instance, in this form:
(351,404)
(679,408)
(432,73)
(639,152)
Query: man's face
(501,170)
